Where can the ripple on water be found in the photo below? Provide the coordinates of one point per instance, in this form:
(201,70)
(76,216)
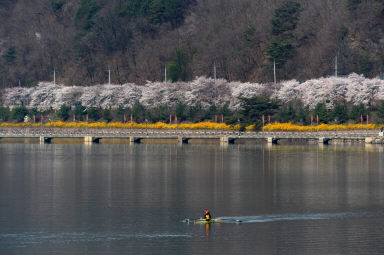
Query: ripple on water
(38,238)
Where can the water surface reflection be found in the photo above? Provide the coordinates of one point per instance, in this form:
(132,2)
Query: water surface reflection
(124,199)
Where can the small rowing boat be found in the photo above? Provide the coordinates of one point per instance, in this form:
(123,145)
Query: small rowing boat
(216,220)
(202,221)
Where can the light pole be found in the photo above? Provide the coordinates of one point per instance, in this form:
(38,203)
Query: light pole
(335,126)
(238,123)
(146,126)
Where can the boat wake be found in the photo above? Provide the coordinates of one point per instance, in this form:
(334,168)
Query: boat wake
(298,217)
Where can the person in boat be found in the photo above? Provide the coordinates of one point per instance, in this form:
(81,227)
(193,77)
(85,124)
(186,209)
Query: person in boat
(207,215)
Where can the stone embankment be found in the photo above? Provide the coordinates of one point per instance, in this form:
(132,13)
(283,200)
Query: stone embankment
(36,131)
(375,140)
(102,135)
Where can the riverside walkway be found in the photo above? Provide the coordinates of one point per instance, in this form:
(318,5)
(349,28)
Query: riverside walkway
(94,135)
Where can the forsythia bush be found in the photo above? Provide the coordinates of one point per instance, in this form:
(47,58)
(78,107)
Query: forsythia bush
(201,125)
(158,125)
(322,127)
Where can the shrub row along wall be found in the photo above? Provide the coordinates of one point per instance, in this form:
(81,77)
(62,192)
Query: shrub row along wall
(195,126)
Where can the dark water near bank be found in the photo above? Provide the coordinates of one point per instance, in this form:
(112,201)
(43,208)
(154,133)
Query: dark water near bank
(132,199)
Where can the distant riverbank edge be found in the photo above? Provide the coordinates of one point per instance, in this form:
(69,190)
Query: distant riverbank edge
(196,126)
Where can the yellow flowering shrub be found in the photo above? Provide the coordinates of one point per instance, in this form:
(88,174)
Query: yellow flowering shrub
(321,127)
(193,126)
(158,125)
(6,124)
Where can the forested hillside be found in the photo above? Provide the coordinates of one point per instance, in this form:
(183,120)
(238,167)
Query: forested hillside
(136,39)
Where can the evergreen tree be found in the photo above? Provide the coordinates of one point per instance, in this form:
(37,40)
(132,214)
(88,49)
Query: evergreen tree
(179,111)
(286,18)
(80,111)
(280,50)
(10,56)
(193,113)
(380,111)
(138,112)
(152,115)
(287,114)
(4,113)
(120,113)
(63,112)
(164,113)
(57,5)
(107,115)
(353,4)
(178,69)
(302,116)
(357,111)
(252,109)
(84,18)
(340,113)
(226,112)
(93,113)
(321,111)
(209,113)
(18,113)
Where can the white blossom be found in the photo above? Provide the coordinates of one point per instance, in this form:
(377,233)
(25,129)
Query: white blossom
(201,91)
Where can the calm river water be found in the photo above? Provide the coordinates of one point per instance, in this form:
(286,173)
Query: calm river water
(132,199)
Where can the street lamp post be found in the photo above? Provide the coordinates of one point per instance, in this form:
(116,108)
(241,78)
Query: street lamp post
(335,127)
(238,123)
(146,126)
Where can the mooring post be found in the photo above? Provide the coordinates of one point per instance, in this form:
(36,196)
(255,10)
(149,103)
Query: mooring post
(224,140)
(44,139)
(88,139)
(133,140)
(323,140)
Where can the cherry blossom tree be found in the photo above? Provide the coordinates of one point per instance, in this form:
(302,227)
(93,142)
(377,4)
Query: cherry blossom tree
(202,91)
